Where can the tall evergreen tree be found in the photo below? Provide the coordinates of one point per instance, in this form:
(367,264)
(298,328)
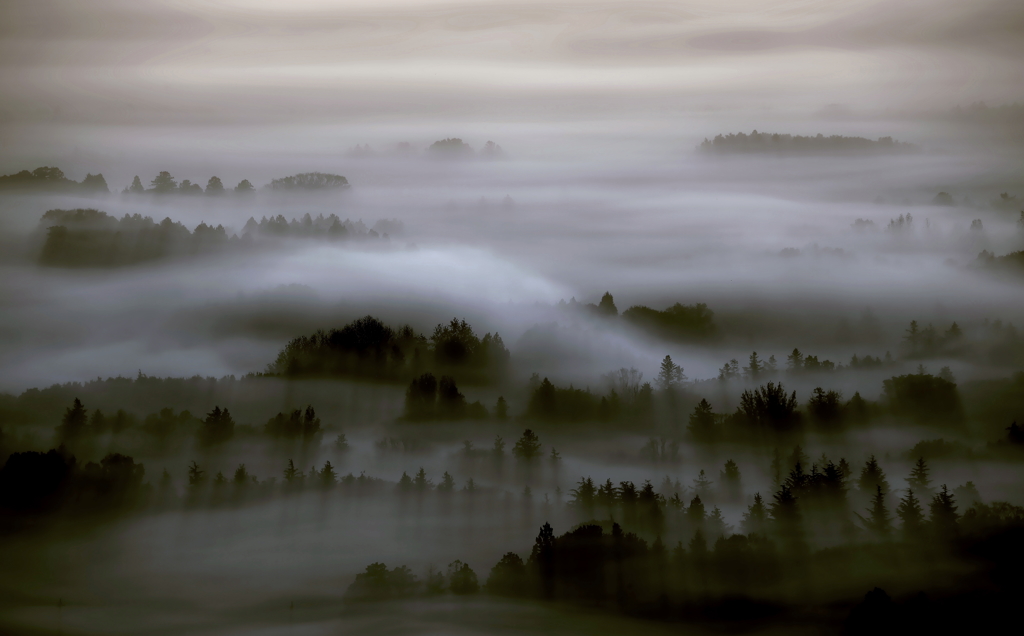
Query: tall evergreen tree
(872,477)
(919,476)
(879,521)
(943,513)
(911,514)
(755,519)
(670,375)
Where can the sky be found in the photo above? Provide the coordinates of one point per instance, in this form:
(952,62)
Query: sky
(121,63)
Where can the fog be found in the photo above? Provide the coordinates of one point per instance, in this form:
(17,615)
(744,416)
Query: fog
(446,262)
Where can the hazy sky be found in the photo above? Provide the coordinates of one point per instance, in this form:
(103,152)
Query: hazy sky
(118,62)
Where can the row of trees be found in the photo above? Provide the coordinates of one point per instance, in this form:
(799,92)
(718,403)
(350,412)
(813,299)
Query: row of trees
(52,179)
(216,428)
(368,348)
(165,184)
(678,322)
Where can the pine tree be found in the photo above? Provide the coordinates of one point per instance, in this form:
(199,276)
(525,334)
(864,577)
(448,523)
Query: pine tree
(943,513)
(911,514)
(695,512)
(291,475)
(328,476)
(879,520)
(670,374)
(74,422)
(420,481)
(195,476)
(501,409)
(528,446)
(405,482)
(702,422)
(919,475)
(795,361)
(755,519)
(872,477)
(754,366)
(447,483)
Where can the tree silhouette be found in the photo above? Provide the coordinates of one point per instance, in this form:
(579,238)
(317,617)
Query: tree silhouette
(919,475)
(879,521)
(244,187)
(943,513)
(195,475)
(670,375)
(911,514)
(461,579)
(607,306)
(528,446)
(872,477)
(447,483)
(702,422)
(214,186)
(73,424)
(291,474)
(328,476)
(755,519)
(136,187)
(501,409)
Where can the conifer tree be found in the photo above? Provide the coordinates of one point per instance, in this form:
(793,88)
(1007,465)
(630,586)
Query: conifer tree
(755,519)
(919,475)
(911,514)
(872,477)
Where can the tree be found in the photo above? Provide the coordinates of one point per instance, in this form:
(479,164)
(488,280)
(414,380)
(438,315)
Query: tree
(826,408)
(607,305)
(879,521)
(328,476)
(913,337)
(528,446)
(214,186)
(768,407)
(755,519)
(695,512)
(461,579)
(73,423)
(754,366)
(919,475)
(244,187)
(241,477)
(872,477)
(771,366)
(508,576)
(795,361)
(943,513)
(498,449)
(291,475)
(729,477)
(447,483)
(421,397)
(670,375)
(218,427)
(501,409)
(163,183)
(702,422)
(583,496)
(420,481)
(450,402)
(911,514)
(136,187)
(195,476)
